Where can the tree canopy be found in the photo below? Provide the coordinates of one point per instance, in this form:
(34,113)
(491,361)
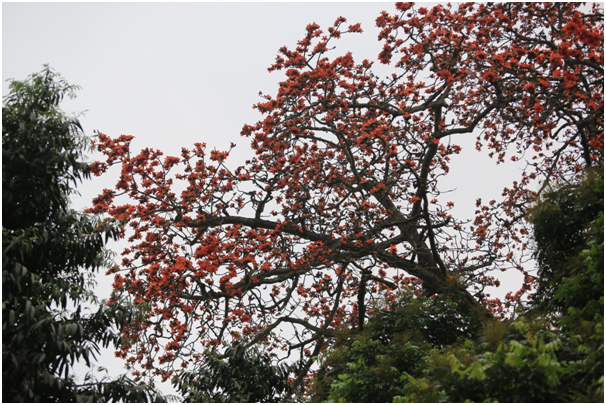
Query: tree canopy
(49,254)
(342,202)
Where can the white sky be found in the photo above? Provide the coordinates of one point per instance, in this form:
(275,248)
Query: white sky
(172,74)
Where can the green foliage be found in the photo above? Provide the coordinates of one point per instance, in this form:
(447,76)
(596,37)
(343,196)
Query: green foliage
(49,253)
(240,375)
(390,356)
(529,365)
(523,368)
(423,350)
(572,279)
(570,247)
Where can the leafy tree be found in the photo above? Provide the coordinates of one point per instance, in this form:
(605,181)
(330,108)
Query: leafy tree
(514,361)
(49,253)
(569,233)
(571,285)
(342,203)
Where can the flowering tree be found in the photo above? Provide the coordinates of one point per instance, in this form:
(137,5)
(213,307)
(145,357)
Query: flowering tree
(341,201)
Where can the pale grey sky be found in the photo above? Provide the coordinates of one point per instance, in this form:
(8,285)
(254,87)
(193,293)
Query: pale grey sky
(172,74)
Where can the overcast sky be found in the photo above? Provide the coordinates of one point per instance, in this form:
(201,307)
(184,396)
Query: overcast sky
(172,74)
